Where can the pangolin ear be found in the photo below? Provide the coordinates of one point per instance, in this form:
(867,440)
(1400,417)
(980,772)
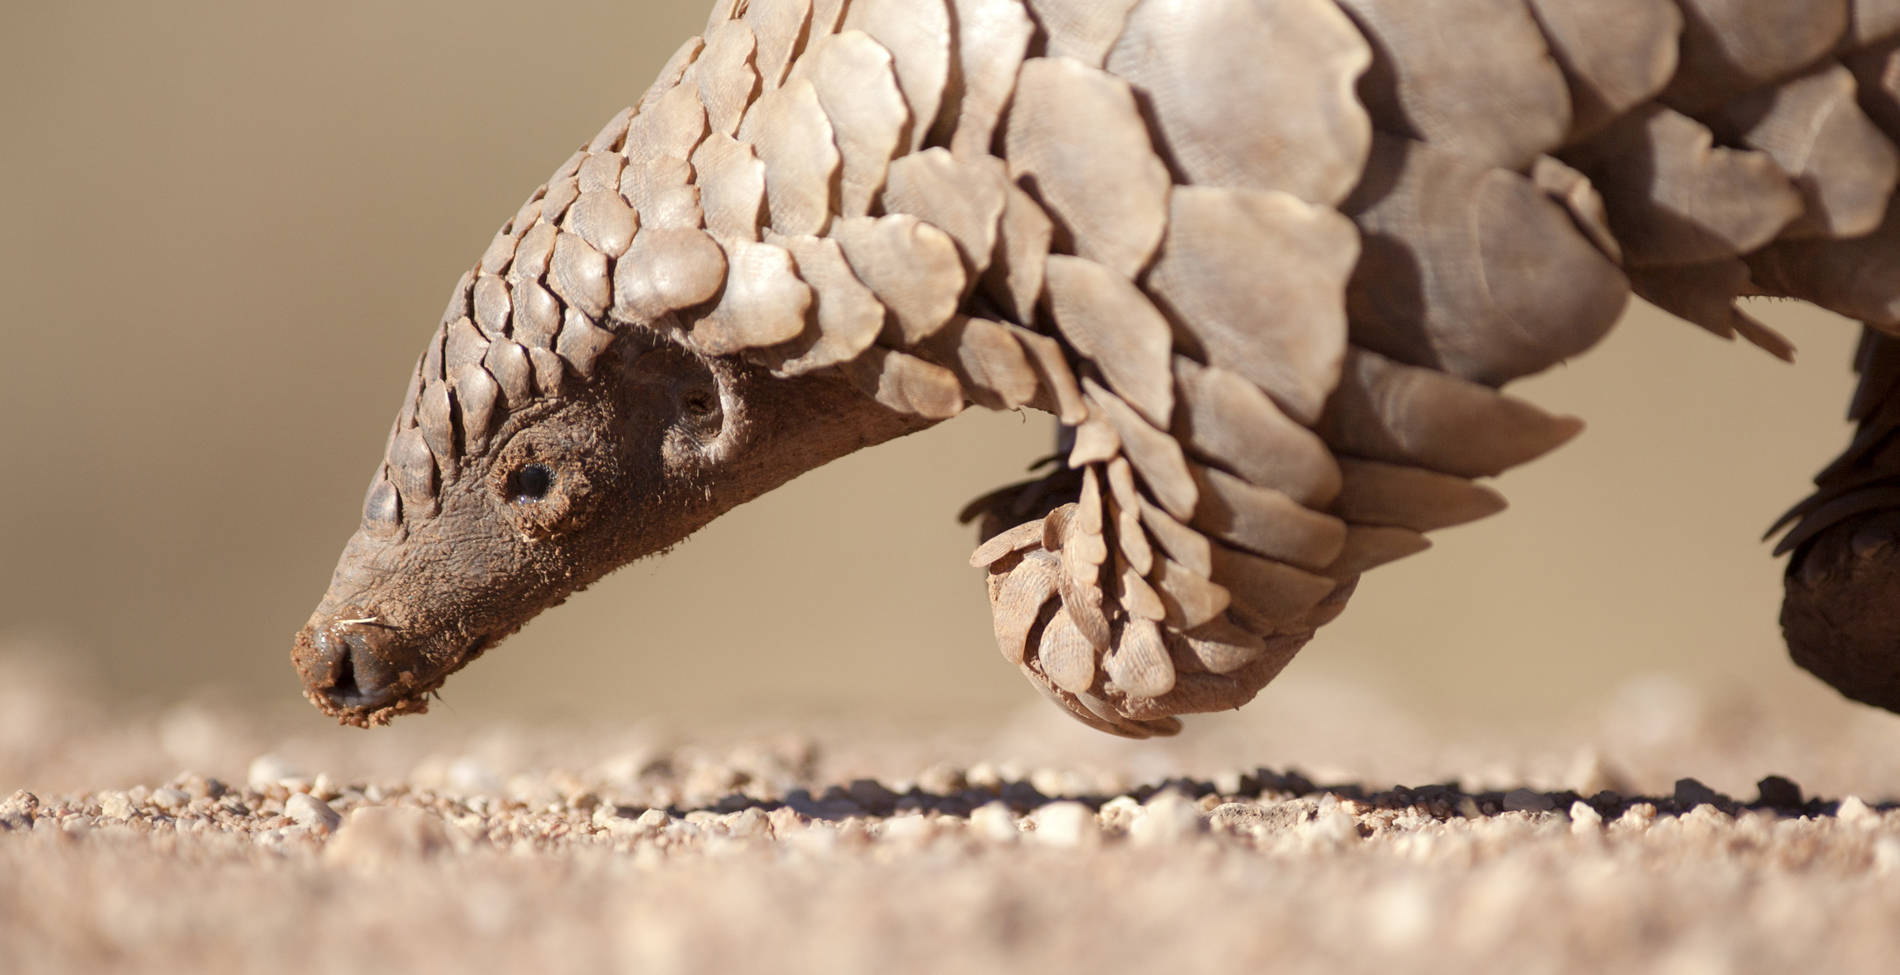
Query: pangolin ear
(691,393)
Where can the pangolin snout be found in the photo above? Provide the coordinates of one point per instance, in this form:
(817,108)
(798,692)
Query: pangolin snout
(353,663)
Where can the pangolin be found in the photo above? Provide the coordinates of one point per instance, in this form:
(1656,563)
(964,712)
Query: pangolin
(1269,263)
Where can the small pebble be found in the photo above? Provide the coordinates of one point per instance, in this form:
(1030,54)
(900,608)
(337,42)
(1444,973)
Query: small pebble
(993,821)
(1237,817)
(309,811)
(941,779)
(1066,824)
(268,770)
(1584,819)
(1167,818)
(748,824)
(1691,793)
(984,776)
(1778,792)
(909,830)
(1854,811)
(870,794)
(1638,816)
(1119,812)
(115,805)
(785,820)
(169,799)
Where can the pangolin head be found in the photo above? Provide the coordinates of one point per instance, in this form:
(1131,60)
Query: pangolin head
(568,416)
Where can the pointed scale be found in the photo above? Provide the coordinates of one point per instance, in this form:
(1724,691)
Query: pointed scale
(1155,455)
(1264,521)
(1082,31)
(1457,264)
(1018,599)
(1108,320)
(1615,54)
(1257,281)
(1389,495)
(1077,141)
(731,182)
(725,75)
(962,197)
(1503,109)
(1294,123)
(992,38)
(911,266)
(792,138)
(1730,47)
(848,315)
(906,383)
(855,84)
(1813,127)
(1227,421)
(763,303)
(1706,295)
(987,359)
(1139,665)
(917,33)
(778,29)
(665,271)
(1400,414)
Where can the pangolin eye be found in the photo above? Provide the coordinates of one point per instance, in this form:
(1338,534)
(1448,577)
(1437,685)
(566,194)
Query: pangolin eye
(531,483)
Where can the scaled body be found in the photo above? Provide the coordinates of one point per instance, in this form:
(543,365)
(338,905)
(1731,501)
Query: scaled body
(1268,261)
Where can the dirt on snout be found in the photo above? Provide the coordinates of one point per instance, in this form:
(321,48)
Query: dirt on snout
(1278,842)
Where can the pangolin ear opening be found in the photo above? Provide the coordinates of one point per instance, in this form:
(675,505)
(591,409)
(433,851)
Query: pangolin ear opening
(691,392)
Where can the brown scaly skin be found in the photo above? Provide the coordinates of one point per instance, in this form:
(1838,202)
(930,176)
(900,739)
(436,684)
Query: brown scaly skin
(660,442)
(1839,614)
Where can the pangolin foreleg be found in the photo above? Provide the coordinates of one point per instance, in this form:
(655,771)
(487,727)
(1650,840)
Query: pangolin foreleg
(1841,612)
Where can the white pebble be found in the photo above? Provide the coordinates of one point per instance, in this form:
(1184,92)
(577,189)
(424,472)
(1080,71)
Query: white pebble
(909,830)
(268,770)
(307,810)
(749,823)
(1584,819)
(170,799)
(1120,812)
(993,821)
(115,805)
(1854,811)
(1066,824)
(1167,818)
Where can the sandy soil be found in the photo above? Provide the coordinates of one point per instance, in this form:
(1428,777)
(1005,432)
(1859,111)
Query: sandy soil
(1023,845)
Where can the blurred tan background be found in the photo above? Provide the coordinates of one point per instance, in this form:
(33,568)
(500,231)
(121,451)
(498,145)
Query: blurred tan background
(230,226)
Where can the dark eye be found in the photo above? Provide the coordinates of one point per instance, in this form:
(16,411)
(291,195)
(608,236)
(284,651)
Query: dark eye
(531,483)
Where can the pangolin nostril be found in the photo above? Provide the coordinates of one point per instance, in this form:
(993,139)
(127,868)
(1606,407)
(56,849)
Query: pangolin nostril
(344,685)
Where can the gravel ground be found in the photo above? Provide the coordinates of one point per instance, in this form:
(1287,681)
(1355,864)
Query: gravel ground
(1023,845)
